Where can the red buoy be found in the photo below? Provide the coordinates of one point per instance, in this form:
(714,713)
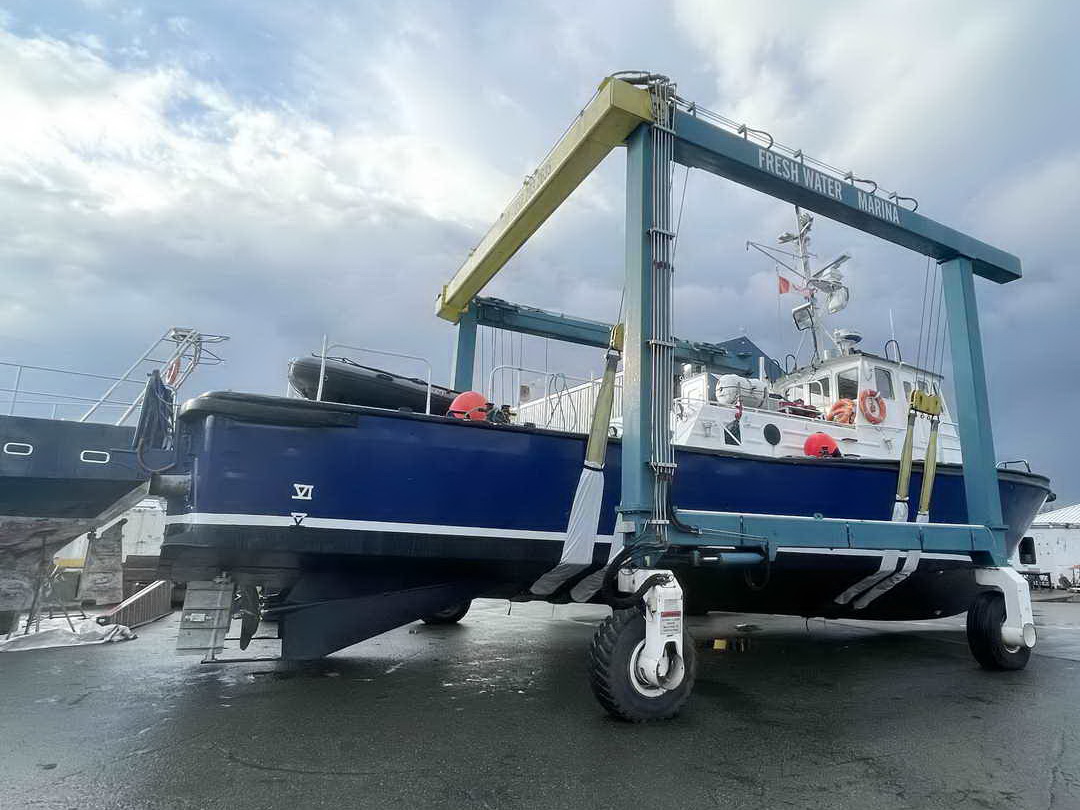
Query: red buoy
(469,405)
(821,445)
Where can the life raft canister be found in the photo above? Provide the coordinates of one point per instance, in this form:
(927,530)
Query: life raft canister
(842,412)
(469,405)
(821,445)
(872,406)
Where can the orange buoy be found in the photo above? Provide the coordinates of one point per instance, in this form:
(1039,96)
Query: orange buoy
(821,445)
(469,405)
(872,406)
(842,412)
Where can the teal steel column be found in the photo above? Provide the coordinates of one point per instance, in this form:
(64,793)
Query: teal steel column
(465,350)
(972,404)
(637,476)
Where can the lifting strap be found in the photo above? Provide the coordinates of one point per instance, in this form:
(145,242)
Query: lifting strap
(928,405)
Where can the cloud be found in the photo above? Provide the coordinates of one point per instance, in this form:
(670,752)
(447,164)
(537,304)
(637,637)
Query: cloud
(161,194)
(280,172)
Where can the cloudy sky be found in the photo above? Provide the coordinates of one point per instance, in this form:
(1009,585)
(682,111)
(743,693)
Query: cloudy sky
(274,171)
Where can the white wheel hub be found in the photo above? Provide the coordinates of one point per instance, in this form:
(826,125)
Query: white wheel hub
(669,673)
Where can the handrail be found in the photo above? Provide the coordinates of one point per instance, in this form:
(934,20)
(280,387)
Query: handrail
(188,350)
(329,347)
(65,371)
(547,374)
(1004,465)
(17,389)
(59,398)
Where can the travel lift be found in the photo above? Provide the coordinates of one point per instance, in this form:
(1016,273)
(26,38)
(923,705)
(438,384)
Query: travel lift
(641,662)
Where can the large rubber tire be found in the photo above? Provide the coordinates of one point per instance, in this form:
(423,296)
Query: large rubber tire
(613,645)
(984,621)
(448,615)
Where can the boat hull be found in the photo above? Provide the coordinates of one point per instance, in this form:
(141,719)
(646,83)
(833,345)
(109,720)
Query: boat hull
(62,480)
(286,492)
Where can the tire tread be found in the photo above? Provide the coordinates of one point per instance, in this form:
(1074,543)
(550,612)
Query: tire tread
(605,671)
(984,620)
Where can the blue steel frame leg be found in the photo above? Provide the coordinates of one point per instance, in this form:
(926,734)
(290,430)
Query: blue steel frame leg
(637,475)
(973,407)
(465,351)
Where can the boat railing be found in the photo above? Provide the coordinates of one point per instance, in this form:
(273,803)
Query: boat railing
(176,354)
(566,404)
(19,394)
(329,347)
(1016,462)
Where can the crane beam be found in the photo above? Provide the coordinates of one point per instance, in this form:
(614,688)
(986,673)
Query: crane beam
(605,122)
(736,356)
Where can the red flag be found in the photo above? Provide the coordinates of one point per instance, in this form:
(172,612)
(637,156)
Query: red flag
(784,284)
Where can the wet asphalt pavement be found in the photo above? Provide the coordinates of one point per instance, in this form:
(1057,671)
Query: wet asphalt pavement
(497,713)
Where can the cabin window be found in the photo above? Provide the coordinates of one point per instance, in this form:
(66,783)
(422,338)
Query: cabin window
(1027,551)
(847,384)
(819,391)
(883,382)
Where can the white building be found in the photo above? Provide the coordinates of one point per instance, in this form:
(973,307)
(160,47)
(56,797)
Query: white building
(142,533)
(1056,544)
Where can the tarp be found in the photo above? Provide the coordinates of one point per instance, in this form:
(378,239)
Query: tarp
(86,632)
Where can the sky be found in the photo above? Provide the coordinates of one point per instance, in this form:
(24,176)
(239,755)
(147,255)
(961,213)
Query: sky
(280,171)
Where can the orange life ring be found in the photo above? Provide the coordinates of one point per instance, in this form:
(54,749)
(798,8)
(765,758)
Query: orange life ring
(842,412)
(172,371)
(872,406)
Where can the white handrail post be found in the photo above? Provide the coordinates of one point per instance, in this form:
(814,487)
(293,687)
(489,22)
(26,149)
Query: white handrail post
(427,402)
(322,370)
(15,391)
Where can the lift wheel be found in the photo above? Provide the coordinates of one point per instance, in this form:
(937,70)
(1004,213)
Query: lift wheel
(613,658)
(984,621)
(451,614)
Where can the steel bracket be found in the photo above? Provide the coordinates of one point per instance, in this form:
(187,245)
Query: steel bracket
(660,663)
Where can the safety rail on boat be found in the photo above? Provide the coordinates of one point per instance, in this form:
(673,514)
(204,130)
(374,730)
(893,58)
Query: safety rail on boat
(186,350)
(326,347)
(1016,462)
(575,402)
(18,393)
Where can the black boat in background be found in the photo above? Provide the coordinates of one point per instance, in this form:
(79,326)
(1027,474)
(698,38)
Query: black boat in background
(62,477)
(350,383)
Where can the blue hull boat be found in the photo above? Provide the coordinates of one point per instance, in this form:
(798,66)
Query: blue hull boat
(339,508)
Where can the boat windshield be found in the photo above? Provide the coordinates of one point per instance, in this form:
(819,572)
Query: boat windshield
(847,384)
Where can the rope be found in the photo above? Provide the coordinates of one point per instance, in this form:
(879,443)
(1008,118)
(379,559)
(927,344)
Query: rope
(678,221)
(922,322)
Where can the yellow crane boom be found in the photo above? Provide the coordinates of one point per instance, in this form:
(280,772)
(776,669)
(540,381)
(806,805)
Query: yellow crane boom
(611,115)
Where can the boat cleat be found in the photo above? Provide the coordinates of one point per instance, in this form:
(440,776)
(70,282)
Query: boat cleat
(1018,629)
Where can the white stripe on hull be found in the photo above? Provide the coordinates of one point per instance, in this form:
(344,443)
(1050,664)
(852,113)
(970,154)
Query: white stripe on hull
(282,521)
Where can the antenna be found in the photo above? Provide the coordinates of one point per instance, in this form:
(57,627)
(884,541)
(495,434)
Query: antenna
(826,280)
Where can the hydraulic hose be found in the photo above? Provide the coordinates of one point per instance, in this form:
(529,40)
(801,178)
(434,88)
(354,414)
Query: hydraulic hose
(610,591)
